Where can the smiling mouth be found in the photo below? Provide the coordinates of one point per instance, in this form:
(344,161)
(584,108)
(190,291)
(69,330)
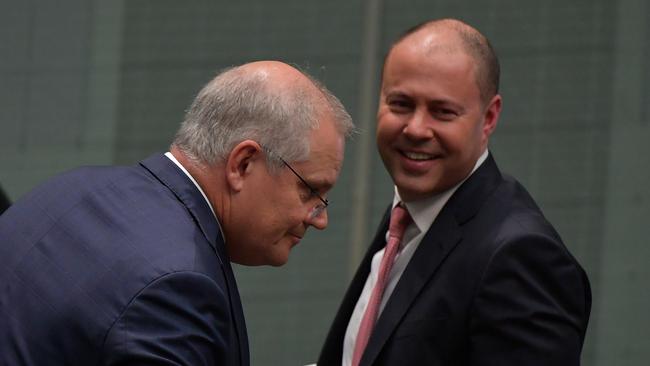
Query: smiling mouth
(417,156)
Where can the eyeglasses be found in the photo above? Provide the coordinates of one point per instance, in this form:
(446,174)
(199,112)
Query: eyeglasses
(320,207)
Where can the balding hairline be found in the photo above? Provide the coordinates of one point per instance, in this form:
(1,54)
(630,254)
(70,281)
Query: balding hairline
(472,42)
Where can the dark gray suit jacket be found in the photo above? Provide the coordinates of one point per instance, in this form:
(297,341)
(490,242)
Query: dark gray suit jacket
(491,283)
(117,266)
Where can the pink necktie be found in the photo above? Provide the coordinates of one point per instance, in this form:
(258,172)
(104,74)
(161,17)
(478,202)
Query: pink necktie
(399,220)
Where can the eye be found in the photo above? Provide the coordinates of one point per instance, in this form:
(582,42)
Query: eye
(305,193)
(399,104)
(444,114)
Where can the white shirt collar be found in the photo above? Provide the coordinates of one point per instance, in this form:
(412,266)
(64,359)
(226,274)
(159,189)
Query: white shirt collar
(425,211)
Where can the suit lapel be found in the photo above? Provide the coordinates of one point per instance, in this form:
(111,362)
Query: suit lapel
(443,236)
(437,243)
(185,191)
(237,311)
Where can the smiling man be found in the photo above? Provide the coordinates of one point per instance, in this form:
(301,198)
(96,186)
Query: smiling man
(464,269)
(131,265)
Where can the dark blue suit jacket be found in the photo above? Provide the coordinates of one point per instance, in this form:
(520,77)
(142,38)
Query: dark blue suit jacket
(490,284)
(117,266)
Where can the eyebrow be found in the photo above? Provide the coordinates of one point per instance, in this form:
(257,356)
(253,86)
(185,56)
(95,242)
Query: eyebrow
(397,93)
(442,102)
(401,94)
(319,184)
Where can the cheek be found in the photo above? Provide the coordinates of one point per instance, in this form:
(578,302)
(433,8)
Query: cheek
(388,129)
(275,225)
(285,217)
(456,138)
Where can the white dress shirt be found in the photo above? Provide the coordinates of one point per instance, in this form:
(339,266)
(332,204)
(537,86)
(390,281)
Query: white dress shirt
(423,212)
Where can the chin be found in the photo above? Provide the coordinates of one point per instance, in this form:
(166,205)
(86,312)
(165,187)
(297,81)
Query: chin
(278,261)
(256,262)
(410,196)
(411,191)
(278,255)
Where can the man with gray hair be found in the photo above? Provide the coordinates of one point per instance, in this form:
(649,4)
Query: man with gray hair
(131,265)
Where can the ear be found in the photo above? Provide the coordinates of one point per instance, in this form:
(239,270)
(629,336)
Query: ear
(491,116)
(240,163)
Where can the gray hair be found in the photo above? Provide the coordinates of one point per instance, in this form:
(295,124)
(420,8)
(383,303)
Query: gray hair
(237,106)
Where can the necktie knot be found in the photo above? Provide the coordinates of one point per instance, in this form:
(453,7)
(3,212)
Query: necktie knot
(399,220)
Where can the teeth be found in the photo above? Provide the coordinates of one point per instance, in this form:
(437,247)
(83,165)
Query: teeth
(418,156)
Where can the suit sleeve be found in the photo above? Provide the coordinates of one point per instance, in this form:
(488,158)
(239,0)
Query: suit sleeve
(179,319)
(531,307)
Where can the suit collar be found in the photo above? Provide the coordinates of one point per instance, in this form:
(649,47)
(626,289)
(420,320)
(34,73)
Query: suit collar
(441,238)
(181,167)
(185,191)
(170,175)
(470,195)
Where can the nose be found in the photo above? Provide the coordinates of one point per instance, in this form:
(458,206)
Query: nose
(319,222)
(418,127)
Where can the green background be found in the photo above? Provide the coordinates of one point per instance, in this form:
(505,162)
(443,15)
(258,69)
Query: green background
(107,82)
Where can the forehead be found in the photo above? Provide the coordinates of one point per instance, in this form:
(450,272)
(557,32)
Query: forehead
(429,61)
(431,71)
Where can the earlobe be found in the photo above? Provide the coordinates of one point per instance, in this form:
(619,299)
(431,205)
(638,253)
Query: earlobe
(240,163)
